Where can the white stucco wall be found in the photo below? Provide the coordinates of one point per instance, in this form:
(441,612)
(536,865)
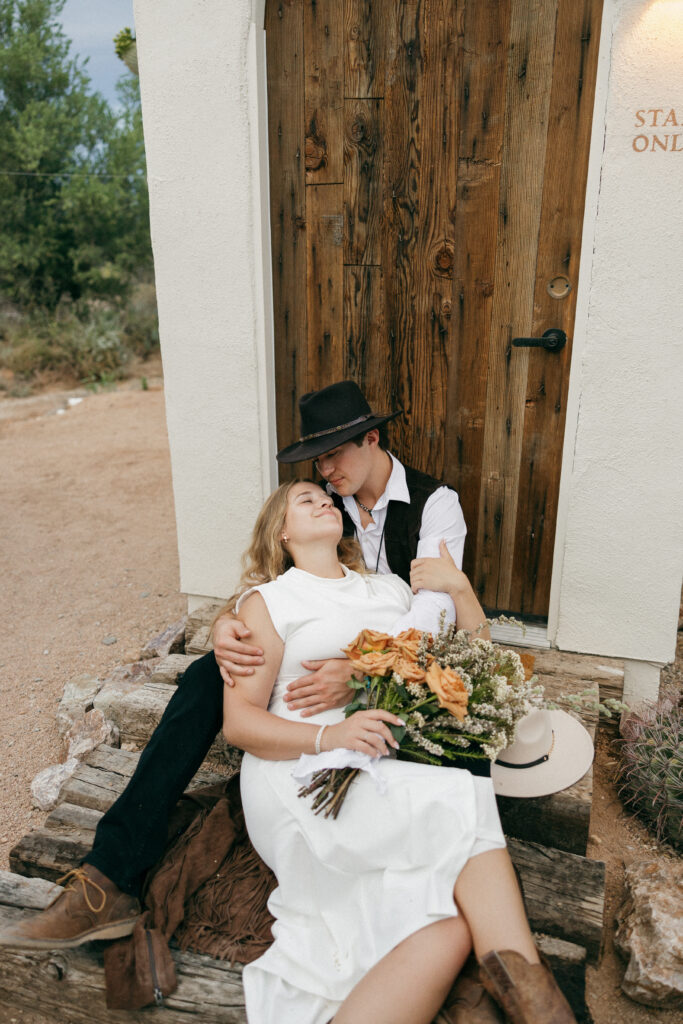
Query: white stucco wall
(617,566)
(199,64)
(619,553)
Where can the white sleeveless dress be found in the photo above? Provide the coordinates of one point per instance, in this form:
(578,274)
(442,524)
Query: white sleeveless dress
(349,889)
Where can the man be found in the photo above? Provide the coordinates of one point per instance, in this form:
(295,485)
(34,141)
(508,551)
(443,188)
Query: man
(397,514)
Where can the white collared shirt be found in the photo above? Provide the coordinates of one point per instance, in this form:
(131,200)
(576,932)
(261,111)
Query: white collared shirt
(442,519)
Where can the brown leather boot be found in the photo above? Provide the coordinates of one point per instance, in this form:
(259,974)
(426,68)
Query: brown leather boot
(468,1002)
(90,907)
(527,993)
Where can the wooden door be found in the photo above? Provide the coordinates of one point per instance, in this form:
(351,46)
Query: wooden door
(428,164)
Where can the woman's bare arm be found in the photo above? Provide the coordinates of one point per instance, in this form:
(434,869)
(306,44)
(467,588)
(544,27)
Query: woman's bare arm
(248,724)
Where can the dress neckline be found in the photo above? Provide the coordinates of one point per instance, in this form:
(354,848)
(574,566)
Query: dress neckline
(323,580)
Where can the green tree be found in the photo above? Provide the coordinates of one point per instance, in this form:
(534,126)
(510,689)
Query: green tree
(73,195)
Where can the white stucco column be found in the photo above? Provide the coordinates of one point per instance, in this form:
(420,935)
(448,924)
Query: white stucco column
(618,558)
(203,101)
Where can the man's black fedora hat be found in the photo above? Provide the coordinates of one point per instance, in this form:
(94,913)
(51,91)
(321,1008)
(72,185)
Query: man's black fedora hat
(330,417)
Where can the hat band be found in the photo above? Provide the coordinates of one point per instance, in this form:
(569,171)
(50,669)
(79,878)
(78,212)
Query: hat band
(529,764)
(334,430)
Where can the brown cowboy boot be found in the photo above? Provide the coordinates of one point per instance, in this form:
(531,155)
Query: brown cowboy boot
(90,907)
(527,993)
(468,1002)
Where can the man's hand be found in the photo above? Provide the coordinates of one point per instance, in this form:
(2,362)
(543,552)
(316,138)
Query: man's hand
(325,687)
(233,655)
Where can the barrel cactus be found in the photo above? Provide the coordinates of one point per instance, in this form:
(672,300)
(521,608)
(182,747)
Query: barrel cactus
(651,767)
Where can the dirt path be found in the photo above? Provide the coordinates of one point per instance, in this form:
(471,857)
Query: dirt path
(87,551)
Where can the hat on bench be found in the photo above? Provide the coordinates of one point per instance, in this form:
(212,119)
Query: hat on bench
(551,751)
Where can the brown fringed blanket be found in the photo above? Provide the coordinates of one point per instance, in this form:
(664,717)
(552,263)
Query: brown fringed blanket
(208,891)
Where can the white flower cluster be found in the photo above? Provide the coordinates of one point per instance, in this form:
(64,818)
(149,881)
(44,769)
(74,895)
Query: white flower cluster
(422,741)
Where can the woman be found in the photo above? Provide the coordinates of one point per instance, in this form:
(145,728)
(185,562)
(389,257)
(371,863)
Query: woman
(377,910)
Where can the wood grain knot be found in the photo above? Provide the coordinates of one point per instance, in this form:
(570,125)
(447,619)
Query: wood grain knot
(55,969)
(315,153)
(443,261)
(354,32)
(358,129)
(446,309)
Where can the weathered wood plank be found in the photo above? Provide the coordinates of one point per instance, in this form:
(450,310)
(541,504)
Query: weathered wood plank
(200,617)
(71,982)
(529,79)
(420,118)
(364,54)
(362,182)
(284,25)
(365,342)
(201,642)
(173,666)
(325,284)
(324,91)
(559,248)
(564,894)
(481,91)
(104,774)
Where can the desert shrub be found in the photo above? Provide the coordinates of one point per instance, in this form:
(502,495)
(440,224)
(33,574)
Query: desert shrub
(85,341)
(651,767)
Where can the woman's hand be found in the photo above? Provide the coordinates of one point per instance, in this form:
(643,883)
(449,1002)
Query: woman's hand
(234,656)
(365,731)
(440,574)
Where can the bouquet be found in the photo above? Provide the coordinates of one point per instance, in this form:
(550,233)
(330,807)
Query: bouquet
(460,697)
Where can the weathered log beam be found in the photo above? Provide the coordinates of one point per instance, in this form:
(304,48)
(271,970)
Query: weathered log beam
(69,984)
(564,893)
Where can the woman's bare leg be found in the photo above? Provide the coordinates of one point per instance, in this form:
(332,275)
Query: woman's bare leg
(388,994)
(488,894)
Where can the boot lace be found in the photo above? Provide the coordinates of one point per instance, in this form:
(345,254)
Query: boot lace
(76,875)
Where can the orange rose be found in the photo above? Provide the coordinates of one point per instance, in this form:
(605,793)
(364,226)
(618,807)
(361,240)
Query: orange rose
(528,660)
(449,689)
(409,670)
(408,643)
(368,640)
(374,663)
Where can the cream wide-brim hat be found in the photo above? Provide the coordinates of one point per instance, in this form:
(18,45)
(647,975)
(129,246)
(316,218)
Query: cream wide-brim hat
(551,752)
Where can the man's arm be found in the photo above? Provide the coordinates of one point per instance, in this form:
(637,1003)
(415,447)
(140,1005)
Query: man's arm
(442,519)
(234,656)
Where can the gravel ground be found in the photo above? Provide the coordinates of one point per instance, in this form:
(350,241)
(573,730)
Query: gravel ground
(87,551)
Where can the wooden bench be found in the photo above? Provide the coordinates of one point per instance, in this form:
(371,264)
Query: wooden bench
(564,892)
(547,839)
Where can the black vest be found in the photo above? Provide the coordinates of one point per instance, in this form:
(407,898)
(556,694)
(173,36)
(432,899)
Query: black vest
(403,522)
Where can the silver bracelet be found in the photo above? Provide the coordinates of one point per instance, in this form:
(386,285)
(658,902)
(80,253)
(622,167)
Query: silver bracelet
(318,738)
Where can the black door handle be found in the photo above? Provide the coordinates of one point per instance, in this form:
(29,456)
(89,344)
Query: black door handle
(552,340)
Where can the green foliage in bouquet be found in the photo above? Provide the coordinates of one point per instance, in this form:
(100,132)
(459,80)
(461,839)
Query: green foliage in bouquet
(460,697)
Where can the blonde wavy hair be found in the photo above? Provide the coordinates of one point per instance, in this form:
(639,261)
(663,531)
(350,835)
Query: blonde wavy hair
(266,558)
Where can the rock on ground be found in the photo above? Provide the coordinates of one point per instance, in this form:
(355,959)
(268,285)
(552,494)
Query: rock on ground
(650,933)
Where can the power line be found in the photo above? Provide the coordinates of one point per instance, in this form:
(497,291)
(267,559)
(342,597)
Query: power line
(62,174)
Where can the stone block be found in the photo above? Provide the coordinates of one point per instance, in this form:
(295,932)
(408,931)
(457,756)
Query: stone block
(48,782)
(201,642)
(650,933)
(77,698)
(170,641)
(88,732)
(167,670)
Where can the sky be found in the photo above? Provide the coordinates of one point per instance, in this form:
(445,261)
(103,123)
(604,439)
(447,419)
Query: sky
(92,25)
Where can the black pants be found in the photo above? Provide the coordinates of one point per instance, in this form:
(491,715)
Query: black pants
(131,836)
